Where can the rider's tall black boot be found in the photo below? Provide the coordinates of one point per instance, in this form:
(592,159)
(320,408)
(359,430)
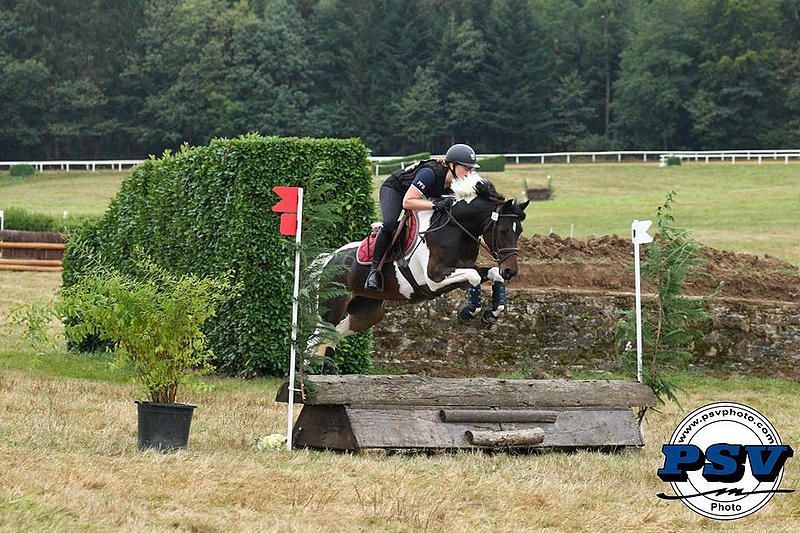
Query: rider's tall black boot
(375,278)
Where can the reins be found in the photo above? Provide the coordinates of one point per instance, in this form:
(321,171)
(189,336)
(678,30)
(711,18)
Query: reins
(495,254)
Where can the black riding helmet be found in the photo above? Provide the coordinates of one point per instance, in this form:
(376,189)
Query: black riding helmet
(463,155)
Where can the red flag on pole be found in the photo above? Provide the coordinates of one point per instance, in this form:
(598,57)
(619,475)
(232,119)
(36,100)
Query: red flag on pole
(288,206)
(291,205)
(289,224)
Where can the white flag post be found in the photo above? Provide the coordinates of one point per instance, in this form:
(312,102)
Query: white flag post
(291,205)
(640,236)
(295,305)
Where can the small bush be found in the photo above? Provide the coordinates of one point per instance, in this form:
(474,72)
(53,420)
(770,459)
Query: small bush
(492,164)
(673,160)
(21,171)
(19,219)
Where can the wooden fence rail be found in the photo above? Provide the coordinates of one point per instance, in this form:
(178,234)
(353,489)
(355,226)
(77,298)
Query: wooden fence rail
(30,265)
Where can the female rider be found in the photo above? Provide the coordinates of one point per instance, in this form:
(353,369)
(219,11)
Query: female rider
(417,188)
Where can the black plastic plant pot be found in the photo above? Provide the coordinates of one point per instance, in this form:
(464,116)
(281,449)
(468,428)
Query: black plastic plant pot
(164,426)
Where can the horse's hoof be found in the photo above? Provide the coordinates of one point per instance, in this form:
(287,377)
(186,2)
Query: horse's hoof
(329,367)
(488,317)
(465,315)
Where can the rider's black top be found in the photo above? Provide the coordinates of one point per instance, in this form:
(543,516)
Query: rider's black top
(427,176)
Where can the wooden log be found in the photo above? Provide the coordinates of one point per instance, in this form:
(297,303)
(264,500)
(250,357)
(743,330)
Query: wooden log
(392,427)
(31,262)
(360,389)
(32,245)
(497,416)
(505,438)
(29,268)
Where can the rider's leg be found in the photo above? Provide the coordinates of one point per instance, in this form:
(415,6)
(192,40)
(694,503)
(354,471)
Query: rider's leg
(391,205)
(375,278)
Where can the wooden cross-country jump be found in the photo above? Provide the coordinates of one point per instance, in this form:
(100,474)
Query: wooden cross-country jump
(361,412)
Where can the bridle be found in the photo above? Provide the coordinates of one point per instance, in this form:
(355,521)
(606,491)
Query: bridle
(498,255)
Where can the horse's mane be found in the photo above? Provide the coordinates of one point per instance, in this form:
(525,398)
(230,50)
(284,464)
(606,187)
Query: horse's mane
(486,189)
(472,186)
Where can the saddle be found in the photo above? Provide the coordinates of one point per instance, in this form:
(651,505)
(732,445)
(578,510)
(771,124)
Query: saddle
(403,240)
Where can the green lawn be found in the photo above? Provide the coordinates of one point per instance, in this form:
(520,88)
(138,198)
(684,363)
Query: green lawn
(68,424)
(746,208)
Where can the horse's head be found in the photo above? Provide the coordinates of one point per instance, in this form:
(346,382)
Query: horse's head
(482,211)
(501,235)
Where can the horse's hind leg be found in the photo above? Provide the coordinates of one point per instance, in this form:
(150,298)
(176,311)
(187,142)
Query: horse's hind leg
(351,316)
(335,310)
(362,314)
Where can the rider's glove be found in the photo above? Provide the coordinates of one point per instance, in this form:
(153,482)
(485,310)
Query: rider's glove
(443,204)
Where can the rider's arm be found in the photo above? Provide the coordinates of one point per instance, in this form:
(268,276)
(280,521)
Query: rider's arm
(414,198)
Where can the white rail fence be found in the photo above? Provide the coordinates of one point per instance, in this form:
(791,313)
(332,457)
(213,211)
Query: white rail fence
(729,156)
(41,166)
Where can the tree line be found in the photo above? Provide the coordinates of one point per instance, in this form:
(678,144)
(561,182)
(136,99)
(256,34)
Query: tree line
(129,78)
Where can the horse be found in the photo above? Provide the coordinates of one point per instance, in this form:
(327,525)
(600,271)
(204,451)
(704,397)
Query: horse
(442,257)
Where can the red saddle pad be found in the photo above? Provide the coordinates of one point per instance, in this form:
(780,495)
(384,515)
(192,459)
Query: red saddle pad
(408,236)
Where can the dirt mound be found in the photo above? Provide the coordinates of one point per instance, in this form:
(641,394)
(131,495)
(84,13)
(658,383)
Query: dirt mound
(606,264)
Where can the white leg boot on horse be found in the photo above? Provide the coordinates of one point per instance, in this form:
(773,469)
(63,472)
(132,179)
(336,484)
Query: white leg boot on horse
(375,277)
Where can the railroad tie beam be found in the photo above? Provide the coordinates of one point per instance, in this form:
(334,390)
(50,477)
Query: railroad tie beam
(357,412)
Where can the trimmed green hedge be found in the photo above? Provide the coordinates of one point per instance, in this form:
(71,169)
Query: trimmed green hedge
(20,219)
(492,164)
(208,210)
(21,171)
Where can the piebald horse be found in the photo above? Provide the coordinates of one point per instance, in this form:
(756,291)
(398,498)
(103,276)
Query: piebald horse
(442,258)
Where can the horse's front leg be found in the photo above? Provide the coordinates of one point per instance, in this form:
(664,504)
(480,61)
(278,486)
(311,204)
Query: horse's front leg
(474,303)
(490,316)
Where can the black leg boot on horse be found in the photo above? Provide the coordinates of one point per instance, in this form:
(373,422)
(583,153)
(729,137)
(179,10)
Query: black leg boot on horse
(375,277)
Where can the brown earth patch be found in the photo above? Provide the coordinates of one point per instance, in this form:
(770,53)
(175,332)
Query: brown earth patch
(606,263)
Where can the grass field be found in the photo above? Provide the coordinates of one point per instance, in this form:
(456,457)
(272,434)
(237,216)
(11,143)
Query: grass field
(68,422)
(70,463)
(52,193)
(746,207)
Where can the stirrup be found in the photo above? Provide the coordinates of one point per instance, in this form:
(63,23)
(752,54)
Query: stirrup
(374,281)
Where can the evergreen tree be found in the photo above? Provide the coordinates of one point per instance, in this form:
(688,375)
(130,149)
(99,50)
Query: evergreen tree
(673,321)
(569,113)
(657,77)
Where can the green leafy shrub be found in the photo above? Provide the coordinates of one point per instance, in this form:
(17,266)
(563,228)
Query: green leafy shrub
(21,171)
(153,319)
(671,322)
(492,164)
(20,219)
(208,210)
(673,160)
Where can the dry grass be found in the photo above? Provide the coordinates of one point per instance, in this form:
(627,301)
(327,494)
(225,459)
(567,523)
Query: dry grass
(71,464)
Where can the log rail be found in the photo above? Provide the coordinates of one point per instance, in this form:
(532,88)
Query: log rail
(30,265)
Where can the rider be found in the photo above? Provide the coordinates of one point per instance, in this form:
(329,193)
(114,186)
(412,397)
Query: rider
(416,188)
